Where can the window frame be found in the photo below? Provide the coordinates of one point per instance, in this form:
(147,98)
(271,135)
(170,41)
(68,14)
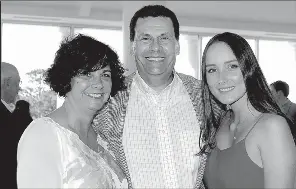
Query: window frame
(200,33)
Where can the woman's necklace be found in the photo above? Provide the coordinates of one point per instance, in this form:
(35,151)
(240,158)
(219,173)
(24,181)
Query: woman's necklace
(234,127)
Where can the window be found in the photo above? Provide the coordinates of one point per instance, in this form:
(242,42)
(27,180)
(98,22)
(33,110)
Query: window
(31,48)
(113,38)
(277,60)
(251,42)
(204,42)
(188,60)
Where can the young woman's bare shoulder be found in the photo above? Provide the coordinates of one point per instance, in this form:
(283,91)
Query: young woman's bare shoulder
(273,127)
(272,121)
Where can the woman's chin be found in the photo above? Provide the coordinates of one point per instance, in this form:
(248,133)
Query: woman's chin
(227,101)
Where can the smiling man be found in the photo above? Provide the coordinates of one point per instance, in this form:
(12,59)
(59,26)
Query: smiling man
(152,128)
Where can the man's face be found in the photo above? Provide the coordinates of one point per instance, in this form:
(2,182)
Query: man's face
(274,92)
(155,46)
(13,88)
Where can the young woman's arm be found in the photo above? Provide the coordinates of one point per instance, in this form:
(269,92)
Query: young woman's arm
(278,153)
(38,158)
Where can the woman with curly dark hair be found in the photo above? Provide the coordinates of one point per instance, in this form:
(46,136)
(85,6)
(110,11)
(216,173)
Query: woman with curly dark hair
(61,150)
(251,144)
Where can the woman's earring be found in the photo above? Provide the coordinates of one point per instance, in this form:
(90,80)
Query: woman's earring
(228,107)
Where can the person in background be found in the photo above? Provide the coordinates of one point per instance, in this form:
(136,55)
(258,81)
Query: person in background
(60,150)
(280,91)
(10,86)
(21,117)
(251,145)
(152,128)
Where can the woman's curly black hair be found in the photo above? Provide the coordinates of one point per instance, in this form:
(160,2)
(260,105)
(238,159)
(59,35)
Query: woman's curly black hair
(81,55)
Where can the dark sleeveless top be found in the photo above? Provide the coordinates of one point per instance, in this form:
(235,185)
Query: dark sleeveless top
(233,168)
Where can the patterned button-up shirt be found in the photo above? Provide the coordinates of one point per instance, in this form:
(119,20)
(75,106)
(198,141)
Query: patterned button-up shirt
(160,136)
(110,123)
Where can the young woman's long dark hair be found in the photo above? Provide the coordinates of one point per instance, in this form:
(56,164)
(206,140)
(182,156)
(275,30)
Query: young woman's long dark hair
(259,94)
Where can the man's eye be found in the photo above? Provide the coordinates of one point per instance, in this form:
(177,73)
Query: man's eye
(165,38)
(145,38)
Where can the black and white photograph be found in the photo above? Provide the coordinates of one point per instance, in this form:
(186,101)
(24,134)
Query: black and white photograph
(148,94)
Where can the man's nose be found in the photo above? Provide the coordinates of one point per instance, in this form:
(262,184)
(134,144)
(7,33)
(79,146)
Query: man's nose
(155,46)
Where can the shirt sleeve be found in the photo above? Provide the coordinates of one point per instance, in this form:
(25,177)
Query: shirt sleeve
(39,158)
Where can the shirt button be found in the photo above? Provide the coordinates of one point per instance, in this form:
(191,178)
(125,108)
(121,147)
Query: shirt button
(162,131)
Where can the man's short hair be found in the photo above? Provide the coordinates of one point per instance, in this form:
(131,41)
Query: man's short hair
(281,86)
(154,11)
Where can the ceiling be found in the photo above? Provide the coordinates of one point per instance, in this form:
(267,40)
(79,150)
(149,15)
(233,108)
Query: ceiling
(283,12)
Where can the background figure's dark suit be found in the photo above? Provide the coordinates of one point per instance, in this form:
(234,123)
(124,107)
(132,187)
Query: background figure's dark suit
(5,114)
(9,154)
(21,118)
(13,124)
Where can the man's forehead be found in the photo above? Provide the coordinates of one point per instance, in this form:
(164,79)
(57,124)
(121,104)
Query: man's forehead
(8,70)
(14,75)
(271,87)
(154,24)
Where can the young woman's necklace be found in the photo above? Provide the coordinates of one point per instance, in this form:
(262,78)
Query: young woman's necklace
(234,127)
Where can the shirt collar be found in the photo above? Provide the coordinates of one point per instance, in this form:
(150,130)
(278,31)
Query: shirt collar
(286,104)
(148,90)
(10,106)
